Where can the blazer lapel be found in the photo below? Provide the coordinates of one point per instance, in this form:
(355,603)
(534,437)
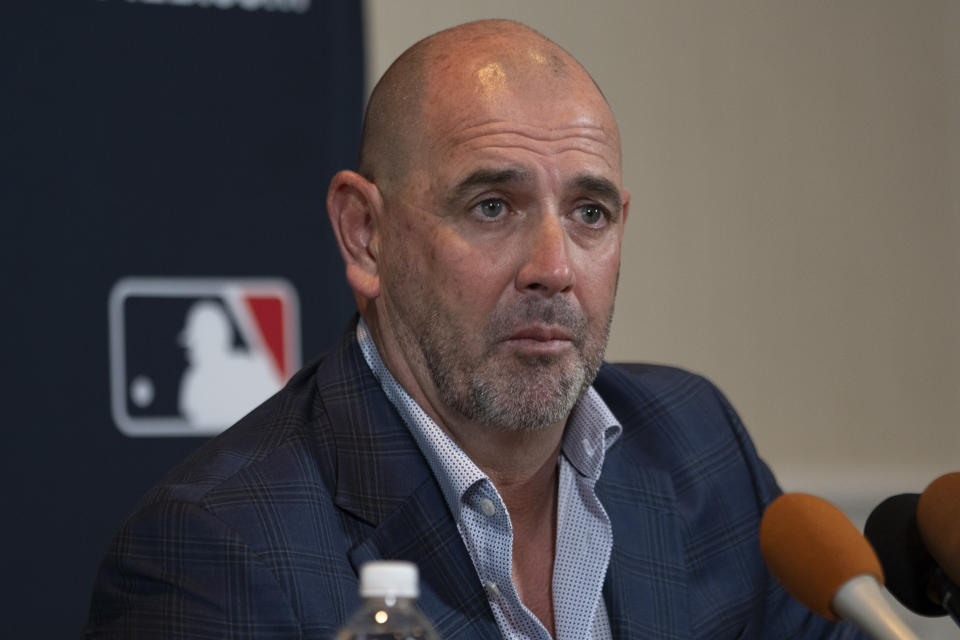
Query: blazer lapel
(384,480)
(646,586)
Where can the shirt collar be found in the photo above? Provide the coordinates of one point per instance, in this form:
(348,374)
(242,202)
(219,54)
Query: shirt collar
(591,431)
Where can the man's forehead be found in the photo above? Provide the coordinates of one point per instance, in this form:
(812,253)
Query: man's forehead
(560,123)
(472,75)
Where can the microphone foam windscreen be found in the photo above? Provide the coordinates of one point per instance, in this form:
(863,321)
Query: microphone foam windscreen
(907,565)
(938,517)
(812,548)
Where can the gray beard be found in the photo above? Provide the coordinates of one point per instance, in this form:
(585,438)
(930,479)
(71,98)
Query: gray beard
(510,392)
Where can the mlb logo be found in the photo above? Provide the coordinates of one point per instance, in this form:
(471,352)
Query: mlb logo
(191,356)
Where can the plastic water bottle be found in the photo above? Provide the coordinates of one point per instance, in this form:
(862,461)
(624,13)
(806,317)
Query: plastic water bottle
(389,589)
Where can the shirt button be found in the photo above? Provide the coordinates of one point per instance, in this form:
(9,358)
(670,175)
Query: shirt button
(492,589)
(486,504)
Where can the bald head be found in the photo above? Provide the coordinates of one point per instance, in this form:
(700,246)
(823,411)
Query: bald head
(445,70)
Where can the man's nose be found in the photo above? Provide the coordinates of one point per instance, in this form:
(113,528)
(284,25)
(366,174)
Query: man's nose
(547,267)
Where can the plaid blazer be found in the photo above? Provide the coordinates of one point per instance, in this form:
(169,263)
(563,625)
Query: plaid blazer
(260,533)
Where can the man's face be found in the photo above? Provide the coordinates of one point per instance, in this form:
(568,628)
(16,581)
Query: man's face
(499,256)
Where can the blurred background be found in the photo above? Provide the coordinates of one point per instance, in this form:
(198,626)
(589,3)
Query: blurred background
(793,235)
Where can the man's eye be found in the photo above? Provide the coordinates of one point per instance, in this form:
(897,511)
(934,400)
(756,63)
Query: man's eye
(592,214)
(492,208)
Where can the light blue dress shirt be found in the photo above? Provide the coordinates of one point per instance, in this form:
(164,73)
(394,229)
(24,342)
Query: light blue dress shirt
(584,537)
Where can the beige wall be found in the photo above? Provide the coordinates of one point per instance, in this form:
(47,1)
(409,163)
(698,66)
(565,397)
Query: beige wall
(795,227)
(795,223)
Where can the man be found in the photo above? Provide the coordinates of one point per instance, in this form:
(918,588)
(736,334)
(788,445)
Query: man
(462,423)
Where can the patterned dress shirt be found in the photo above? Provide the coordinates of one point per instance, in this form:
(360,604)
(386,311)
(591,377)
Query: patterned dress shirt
(584,537)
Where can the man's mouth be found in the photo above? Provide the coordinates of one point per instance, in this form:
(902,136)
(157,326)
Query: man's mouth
(540,339)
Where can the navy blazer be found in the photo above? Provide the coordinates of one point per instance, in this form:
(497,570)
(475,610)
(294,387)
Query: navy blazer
(260,533)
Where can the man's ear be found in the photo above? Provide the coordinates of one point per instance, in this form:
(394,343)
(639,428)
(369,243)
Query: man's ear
(355,207)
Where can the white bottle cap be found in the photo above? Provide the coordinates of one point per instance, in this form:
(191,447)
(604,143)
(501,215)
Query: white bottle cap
(389,578)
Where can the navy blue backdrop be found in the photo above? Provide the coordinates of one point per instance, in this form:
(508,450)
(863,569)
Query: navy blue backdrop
(149,147)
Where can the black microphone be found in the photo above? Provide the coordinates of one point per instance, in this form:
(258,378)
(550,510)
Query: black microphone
(912,574)
(938,518)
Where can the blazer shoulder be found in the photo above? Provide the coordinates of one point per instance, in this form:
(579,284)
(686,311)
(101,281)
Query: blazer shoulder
(287,426)
(643,392)
(680,422)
